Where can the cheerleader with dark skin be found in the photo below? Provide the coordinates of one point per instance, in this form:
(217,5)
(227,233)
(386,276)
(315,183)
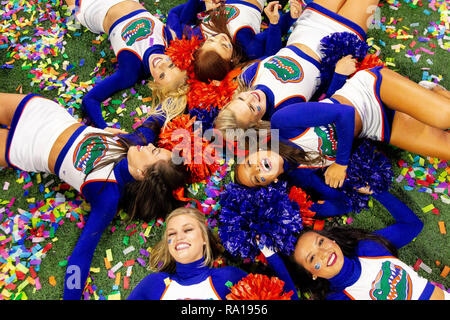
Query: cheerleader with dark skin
(348,263)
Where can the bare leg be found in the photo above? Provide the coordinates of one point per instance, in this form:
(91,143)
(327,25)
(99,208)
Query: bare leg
(3,137)
(417,137)
(332,5)
(404,95)
(8,105)
(441,91)
(359,11)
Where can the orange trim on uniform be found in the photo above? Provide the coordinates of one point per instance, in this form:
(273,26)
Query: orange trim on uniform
(382,257)
(256,74)
(341,23)
(300,135)
(165,290)
(212,287)
(348,295)
(379,103)
(243,27)
(95,180)
(290,97)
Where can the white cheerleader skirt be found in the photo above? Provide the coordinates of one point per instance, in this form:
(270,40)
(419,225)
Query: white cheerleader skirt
(316,23)
(363,91)
(36,124)
(92,13)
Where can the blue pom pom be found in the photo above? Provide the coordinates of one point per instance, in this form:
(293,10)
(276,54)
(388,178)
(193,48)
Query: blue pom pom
(336,46)
(205,116)
(266,212)
(367,167)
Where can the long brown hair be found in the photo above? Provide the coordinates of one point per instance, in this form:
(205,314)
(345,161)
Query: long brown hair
(209,65)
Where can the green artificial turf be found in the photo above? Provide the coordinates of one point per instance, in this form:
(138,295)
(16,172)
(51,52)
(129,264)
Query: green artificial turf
(429,246)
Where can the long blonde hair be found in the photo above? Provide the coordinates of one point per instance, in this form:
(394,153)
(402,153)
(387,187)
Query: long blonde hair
(226,119)
(160,258)
(168,102)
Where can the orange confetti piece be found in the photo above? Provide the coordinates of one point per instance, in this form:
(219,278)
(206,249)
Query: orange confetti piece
(52,280)
(445,272)
(107,263)
(442,227)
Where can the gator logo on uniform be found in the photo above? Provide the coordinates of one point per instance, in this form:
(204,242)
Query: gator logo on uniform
(391,283)
(138,29)
(285,69)
(89,152)
(232,11)
(327,141)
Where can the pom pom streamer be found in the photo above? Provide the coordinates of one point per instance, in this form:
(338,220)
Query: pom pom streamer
(336,46)
(259,287)
(198,154)
(266,212)
(367,167)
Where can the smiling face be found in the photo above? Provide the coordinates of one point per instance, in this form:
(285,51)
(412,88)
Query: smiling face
(185,239)
(221,44)
(141,157)
(248,107)
(319,255)
(259,168)
(165,73)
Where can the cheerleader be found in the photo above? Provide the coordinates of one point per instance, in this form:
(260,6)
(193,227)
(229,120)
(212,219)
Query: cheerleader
(138,39)
(293,74)
(346,263)
(183,263)
(109,171)
(231,32)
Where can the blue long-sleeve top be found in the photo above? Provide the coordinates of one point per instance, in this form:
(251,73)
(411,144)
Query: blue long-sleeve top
(103,197)
(295,120)
(402,232)
(195,280)
(182,20)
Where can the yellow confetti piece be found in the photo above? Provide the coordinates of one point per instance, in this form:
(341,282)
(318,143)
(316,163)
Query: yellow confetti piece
(167,281)
(109,255)
(428,208)
(114,296)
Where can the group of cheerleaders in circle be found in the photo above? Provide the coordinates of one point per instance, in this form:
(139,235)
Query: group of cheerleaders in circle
(115,170)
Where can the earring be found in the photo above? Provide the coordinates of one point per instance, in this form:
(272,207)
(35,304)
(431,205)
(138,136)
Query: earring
(276,180)
(314,277)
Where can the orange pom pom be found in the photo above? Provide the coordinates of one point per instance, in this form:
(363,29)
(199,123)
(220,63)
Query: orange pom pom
(259,287)
(214,94)
(298,195)
(181,51)
(198,154)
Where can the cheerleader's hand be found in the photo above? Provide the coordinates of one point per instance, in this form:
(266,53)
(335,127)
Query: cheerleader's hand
(267,252)
(335,175)
(346,65)
(365,190)
(115,131)
(271,11)
(295,8)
